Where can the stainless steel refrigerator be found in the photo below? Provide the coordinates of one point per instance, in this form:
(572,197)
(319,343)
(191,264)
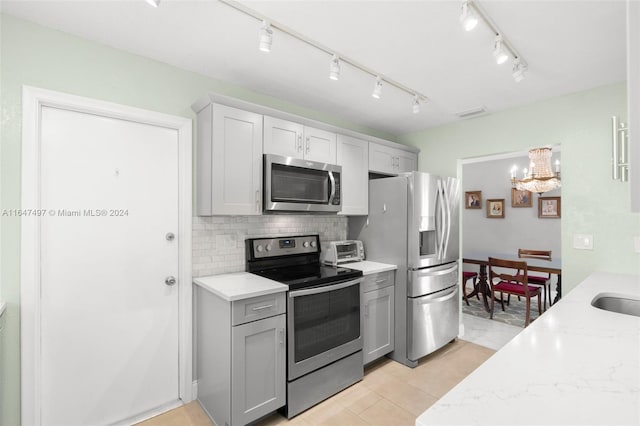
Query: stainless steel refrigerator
(413,223)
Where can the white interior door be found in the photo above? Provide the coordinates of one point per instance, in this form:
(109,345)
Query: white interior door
(109,323)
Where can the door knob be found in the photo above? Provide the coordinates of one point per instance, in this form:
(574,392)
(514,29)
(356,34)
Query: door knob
(170,236)
(170,280)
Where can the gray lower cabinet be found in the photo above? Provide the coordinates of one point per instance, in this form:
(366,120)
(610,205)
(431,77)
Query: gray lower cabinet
(240,351)
(378,303)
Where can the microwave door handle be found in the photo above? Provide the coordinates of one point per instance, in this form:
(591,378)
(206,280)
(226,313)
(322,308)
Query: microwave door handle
(332,194)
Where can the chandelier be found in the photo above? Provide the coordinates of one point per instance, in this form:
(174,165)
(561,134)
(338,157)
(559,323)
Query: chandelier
(539,178)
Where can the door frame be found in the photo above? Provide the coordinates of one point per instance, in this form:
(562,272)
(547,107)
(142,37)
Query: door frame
(33,99)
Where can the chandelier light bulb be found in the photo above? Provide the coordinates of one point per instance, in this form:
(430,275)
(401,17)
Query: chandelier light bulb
(334,68)
(468,19)
(266,37)
(377,89)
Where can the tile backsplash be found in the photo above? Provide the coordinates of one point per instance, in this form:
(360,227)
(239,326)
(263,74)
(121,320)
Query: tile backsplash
(218,241)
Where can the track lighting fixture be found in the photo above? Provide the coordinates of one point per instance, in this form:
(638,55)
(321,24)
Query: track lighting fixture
(266,37)
(337,60)
(377,89)
(518,70)
(334,68)
(498,51)
(416,104)
(468,19)
(502,49)
(154,3)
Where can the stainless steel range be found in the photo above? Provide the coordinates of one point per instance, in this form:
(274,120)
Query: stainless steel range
(324,321)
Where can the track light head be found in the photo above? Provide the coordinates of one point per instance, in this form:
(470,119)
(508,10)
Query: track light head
(416,104)
(334,68)
(266,37)
(498,51)
(518,70)
(468,19)
(154,3)
(377,89)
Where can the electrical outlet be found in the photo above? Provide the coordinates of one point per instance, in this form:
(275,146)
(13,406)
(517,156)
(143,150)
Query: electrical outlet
(583,241)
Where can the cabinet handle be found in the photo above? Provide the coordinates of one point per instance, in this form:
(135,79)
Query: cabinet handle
(257,201)
(299,143)
(259,308)
(381,280)
(281,332)
(308,146)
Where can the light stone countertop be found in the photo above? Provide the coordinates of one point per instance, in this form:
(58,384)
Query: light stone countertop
(239,285)
(575,365)
(369,268)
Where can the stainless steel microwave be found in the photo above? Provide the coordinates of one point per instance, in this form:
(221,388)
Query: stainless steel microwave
(295,185)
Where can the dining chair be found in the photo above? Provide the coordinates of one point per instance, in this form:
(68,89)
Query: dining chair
(466,276)
(516,283)
(538,280)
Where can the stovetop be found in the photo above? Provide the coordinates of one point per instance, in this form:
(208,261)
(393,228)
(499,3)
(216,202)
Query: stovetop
(315,274)
(294,261)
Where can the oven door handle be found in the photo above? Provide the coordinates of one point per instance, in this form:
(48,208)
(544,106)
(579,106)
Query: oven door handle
(324,289)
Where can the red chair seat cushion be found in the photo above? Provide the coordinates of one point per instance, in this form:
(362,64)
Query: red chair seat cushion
(536,279)
(515,288)
(468,275)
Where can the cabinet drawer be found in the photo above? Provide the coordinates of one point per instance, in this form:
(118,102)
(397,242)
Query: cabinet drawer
(376,281)
(256,308)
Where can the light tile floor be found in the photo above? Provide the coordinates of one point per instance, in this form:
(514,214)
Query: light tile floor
(489,333)
(389,394)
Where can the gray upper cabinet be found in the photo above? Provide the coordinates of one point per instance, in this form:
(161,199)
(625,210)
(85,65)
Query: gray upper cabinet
(388,160)
(229,161)
(283,137)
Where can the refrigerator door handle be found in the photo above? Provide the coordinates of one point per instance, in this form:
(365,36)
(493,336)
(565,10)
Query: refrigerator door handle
(437,297)
(441,230)
(445,195)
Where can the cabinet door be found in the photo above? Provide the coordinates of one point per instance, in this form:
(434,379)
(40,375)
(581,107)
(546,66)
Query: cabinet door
(378,338)
(236,163)
(319,145)
(258,369)
(381,159)
(406,161)
(283,137)
(353,156)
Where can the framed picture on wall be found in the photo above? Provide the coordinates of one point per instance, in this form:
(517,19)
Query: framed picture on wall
(473,200)
(495,208)
(520,198)
(549,207)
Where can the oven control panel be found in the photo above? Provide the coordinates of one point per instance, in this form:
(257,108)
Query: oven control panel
(283,246)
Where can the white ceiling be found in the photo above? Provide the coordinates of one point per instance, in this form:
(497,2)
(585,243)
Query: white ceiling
(569,46)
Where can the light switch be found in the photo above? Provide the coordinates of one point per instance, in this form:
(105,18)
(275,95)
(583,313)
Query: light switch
(583,241)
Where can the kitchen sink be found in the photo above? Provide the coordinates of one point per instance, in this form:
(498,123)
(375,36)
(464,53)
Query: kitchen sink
(619,303)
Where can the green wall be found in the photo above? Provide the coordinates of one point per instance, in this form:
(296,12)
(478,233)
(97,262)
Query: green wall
(37,56)
(592,203)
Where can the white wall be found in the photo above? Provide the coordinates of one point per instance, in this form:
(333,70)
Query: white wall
(520,228)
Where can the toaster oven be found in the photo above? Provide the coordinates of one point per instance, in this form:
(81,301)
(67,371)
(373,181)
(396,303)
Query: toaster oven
(337,252)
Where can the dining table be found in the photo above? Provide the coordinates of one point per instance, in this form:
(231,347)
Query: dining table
(553,266)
